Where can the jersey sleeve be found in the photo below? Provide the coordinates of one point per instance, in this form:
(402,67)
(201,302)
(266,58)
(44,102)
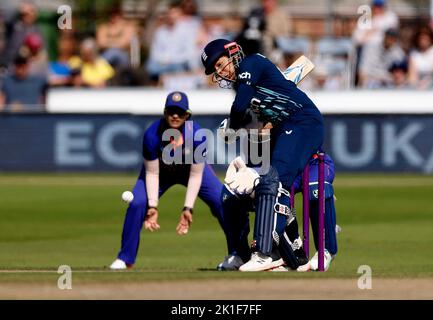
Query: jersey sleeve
(151,143)
(250,71)
(194,183)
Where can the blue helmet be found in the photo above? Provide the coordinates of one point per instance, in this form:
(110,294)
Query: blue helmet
(217,48)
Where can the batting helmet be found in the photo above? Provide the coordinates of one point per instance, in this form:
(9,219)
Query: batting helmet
(217,48)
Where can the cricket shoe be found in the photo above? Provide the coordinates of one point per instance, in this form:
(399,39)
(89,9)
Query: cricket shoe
(230,263)
(277,261)
(304,267)
(315,261)
(282,268)
(258,262)
(298,250)
(120,265)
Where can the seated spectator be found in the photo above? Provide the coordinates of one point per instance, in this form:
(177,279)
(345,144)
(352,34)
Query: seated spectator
(365,34)
(21,91)
(172,46)
(377,58)
(94,70)
(278,24)
(23,24)
(60,72)
(114,38)
(194,26)
(252,34)
(38,57)
(421,59)
(399,75)
(261,28)
(329,75)
(382,19)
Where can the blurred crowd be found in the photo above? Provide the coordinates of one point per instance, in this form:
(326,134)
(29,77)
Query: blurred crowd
(166,53)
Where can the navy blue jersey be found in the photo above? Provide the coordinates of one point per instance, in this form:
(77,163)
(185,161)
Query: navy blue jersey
(257,71)
(186,147)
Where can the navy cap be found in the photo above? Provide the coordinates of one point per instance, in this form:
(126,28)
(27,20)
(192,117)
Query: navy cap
(398,65)
(378,3)
(392,32)
(212,52)
(177,99)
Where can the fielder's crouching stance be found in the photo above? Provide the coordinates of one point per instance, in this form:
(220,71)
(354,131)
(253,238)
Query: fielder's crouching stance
(157,176)
(296,133)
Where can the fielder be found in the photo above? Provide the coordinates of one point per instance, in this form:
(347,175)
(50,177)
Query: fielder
(157,176)
(296,133)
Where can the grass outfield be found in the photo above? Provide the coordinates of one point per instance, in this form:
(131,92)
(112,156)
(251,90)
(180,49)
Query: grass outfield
(52,220)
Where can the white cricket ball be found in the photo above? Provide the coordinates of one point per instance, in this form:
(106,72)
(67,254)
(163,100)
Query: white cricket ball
(127,196)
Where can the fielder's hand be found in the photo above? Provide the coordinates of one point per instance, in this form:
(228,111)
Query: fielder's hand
(184,222)
(151,220)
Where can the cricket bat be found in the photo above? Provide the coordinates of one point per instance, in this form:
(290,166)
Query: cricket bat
(299,69)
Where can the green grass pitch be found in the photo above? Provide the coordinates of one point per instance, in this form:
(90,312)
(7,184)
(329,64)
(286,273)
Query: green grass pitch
(76,220)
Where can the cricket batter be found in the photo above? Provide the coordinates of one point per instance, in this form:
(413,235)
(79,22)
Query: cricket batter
(297,131)
(157,176)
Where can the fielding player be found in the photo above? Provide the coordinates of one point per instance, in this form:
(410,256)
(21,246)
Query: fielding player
(297,130)
(157,176)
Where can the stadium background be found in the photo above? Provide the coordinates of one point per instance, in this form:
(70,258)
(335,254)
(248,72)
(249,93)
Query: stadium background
(64,162)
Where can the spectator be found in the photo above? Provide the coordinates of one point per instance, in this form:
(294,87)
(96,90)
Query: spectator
(195,35)
(21,91)
(399,75)
(261,28)
(278,24)
(189,8)
(377,58)
(60,72)
(173,47)
(114,38)
(192,23)
(23,24)
(38,57)
(251,36)
(382,19)
(94,70)
(421,59)
(328,76)
(2,41)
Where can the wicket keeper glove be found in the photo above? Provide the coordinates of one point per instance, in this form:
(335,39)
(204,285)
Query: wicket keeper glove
(241,179)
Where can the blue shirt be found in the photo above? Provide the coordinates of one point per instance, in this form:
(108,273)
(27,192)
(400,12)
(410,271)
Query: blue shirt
(28,91)
(170,151)
(257,71)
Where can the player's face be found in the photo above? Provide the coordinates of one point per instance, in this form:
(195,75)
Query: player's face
(225,69)
(175,117)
